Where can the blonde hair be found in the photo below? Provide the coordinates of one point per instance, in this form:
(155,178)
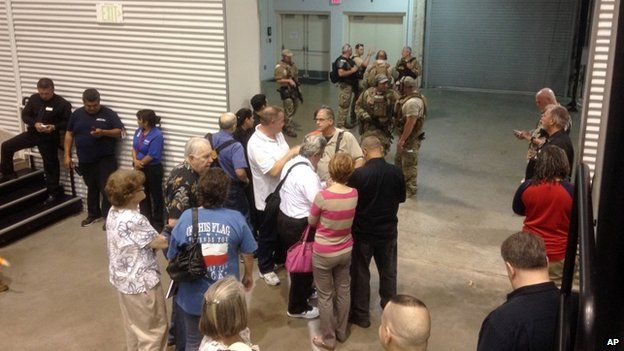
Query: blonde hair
(341,167)
(122,184)
(224,311)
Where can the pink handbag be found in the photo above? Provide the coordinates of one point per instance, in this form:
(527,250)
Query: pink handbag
(299,256)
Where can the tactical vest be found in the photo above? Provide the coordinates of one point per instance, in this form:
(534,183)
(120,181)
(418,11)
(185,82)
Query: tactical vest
(384,69)
(399,112)
(403,70)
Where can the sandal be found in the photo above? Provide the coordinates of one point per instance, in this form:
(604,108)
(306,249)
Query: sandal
(318,342)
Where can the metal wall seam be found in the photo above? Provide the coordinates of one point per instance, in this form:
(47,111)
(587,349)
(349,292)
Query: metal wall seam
(166,55)
(9,74)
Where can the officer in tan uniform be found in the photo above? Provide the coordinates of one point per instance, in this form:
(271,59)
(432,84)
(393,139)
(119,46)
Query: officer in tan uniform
(380,66)
(407,66)
(375,111)
(347,80)
(286,75)
(411,111)
(338,140)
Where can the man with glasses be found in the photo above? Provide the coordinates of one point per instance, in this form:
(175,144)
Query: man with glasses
(338,140)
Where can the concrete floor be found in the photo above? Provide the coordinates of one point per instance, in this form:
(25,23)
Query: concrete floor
(470,166)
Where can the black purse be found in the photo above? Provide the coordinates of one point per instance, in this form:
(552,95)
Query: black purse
(188,264)
(273,203)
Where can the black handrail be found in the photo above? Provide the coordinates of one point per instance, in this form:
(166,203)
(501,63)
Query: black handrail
(576,330)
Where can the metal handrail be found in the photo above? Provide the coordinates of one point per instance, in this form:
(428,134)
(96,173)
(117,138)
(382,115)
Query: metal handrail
(576,327)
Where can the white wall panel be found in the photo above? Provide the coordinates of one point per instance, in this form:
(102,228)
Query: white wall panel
(169,56)
(9,124)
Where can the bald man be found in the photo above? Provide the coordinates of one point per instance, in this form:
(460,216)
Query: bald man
(405,325)
(537,137)
(230,155)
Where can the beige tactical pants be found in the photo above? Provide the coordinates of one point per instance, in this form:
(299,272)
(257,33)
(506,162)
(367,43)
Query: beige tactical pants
(290,108)
(407,160)
(345,91)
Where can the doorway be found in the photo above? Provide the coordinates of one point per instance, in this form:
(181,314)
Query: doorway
(307,36)
(378,33)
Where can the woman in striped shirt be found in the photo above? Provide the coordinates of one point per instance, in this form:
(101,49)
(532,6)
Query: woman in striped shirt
(332,214)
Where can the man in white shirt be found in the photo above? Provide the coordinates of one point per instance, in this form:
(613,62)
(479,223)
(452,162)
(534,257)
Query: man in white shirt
(301,184)
(268,152)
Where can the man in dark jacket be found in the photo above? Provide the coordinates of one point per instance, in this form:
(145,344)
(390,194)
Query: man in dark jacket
(45,114)
(527,320)
(554,121)
(381,188)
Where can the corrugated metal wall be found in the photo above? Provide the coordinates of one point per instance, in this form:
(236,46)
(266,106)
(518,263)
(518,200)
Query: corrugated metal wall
(169,56)
(598,89)
(8,96)
(505,45)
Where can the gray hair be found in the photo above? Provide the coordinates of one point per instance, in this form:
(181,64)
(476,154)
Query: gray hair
(408,49)
(313,144)
(560,114)
(345,48)
(194,144)
(227,120)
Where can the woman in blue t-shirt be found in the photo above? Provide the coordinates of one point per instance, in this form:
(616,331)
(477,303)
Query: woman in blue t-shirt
(147,148)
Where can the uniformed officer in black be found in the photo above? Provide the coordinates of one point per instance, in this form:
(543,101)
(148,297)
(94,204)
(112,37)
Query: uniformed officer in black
(45,114)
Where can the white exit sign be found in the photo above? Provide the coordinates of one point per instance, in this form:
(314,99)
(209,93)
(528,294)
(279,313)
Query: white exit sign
(108,12)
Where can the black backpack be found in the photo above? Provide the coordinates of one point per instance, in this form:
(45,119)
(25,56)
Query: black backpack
(333,75)
(273,203)
(188,264)
(216,151)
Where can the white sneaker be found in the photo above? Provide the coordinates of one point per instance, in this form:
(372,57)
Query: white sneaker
(270,278)
(309,314)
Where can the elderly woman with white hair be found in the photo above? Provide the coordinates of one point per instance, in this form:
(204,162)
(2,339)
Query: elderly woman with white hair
(297,194)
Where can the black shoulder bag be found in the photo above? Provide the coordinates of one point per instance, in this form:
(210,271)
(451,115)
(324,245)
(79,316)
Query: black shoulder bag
(188,265)
(273,203)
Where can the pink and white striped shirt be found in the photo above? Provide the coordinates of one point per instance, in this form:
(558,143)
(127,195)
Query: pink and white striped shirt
(332,214)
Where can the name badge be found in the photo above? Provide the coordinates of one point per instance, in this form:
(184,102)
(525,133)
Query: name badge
(49,108)
(101,120)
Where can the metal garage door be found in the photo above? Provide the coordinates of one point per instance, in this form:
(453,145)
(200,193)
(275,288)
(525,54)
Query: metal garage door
(166,55)
(499,44)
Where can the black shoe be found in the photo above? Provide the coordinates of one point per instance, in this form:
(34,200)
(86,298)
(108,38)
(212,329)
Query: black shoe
(89,220)
(7,177)
(361,324)
(50,199)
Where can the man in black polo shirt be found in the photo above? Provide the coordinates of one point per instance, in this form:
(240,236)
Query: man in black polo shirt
(528,319)
(381,188)
(95,129)
(554,121)
(45,114)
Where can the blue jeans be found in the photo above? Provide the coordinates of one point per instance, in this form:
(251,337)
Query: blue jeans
(193,335)
(237,200)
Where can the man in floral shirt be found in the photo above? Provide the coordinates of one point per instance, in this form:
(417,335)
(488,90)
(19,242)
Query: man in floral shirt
(181,194)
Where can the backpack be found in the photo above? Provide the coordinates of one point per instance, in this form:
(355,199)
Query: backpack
(273,201)
(216,151)
(333,75)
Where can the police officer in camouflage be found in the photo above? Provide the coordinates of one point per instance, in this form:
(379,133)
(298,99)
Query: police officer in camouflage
(361,61)
(375,111)
(407,66)
(380,66)
(286,75)
(411,110)
(347,83)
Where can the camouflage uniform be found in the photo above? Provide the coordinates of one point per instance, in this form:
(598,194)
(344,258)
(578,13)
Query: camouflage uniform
(374,111)
(402,69)
(286,71)
(345,90)
(378,67)
(410,106)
